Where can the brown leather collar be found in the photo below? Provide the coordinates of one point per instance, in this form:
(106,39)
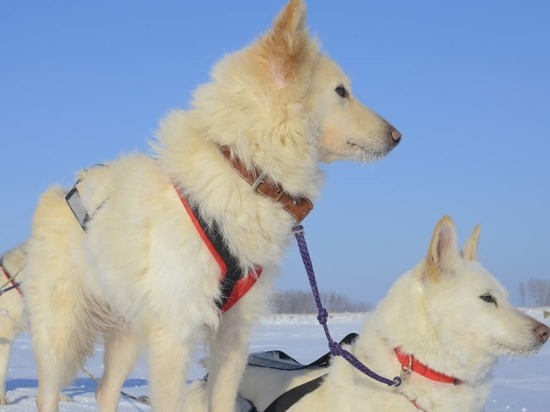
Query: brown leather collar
(297,207)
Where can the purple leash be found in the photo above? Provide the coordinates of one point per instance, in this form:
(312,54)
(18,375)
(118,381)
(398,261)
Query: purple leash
(322,315)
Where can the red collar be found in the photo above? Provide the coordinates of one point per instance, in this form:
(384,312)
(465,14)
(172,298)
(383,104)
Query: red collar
(411,364)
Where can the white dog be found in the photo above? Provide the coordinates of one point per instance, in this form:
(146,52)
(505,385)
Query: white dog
(13,316)
(242,163)
(448,318)
(12,319)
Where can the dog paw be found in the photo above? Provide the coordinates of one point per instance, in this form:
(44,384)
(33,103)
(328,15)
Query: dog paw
(65,398)
(4,400)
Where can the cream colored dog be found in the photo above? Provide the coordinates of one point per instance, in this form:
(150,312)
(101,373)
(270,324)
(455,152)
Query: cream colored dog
(12,319)
(449,313)
(13,316)
(141,269)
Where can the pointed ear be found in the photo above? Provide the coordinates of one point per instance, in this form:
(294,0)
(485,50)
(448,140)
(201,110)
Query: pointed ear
(469,250)
(287,48)
(443,252)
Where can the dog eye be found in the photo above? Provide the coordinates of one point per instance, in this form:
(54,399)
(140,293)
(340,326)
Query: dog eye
(342,92)
(488,298)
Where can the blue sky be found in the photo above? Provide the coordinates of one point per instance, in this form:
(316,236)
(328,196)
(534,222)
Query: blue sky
(467,83)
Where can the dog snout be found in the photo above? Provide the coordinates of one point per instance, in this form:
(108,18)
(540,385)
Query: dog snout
(395,135)
(542,332)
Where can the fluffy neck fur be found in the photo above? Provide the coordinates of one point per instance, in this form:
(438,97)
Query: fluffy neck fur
(255,104)
(281,141)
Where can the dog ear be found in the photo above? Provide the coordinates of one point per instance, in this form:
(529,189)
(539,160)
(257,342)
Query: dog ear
(286,48)
(443,252)
(469,250)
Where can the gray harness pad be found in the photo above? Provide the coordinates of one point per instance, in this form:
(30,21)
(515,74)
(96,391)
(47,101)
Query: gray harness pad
(279,360)
(75,204)
(275,360)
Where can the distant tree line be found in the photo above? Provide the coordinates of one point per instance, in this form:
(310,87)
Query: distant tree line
(535,292)
(292,301)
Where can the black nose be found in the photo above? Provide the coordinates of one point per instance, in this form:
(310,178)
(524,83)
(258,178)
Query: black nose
(542,332)
(395,135)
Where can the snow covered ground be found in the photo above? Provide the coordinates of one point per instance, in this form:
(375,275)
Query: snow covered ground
(521,384)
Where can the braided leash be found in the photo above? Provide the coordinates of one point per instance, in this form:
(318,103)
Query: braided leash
(322,315)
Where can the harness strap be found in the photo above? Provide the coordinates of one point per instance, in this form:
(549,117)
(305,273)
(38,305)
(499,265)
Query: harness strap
(77,207)
(232,282)
(14,285)
(281,361)
(74,201)
(416,404)
(323,361)
(292,396)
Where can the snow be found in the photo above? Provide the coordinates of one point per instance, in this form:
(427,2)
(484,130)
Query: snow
(521,384)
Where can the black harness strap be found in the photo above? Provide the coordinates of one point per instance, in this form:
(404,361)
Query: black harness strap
(7,289)
(292,396)
(234,272)
(323,361)
(289,398)
(234,283)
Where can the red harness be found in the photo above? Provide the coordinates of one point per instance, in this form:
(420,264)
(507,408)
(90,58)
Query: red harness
(232,282)
(13,284)
(411,364)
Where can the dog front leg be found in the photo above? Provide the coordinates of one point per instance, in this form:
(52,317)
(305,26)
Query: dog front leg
(121,350)
(229,352)
(5,348)
(168,362)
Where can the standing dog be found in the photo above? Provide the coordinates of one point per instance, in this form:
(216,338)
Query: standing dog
(141,269)
(448,318)
(12,319)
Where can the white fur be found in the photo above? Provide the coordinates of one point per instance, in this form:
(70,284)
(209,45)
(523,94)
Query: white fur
(435,313)
(12,317)
(141,270)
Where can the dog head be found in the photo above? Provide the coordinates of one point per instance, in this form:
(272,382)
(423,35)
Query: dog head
(349,129)
(282,105)
(452,314)
(467,308)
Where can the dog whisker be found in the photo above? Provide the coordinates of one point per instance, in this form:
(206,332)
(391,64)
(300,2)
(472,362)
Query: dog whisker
(515,351)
